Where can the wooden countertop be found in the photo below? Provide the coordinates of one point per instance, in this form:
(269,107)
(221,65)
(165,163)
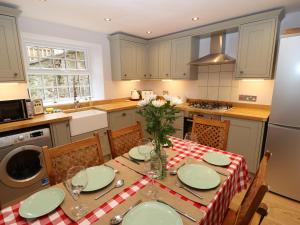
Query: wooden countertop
(35,121)
(242,112)
(116,106)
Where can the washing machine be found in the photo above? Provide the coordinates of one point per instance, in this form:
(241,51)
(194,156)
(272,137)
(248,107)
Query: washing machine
(22,168)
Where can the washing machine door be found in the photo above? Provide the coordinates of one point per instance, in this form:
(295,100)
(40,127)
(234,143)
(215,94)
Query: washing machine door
(22,166)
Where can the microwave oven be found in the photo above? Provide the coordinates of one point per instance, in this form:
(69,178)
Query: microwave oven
(14,110)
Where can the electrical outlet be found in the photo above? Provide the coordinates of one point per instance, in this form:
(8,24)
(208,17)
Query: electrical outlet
(248,98)
(165,92)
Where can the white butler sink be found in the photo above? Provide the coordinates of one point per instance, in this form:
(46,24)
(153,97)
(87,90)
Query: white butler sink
(87,121)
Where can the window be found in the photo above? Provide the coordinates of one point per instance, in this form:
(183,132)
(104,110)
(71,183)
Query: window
(54,74)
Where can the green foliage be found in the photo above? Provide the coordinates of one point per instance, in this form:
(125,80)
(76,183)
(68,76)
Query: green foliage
(159,121)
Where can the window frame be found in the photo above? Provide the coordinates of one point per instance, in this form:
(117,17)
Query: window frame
(58,71)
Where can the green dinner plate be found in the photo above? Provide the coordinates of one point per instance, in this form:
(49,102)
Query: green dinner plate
(217,158)
(152,213)
(41,203)
(99,177)
(135,154)
(198,176)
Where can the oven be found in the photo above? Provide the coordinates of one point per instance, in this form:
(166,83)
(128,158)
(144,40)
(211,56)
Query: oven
(188,120)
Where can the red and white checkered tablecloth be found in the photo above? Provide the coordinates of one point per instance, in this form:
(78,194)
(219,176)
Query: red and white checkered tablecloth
(214,212)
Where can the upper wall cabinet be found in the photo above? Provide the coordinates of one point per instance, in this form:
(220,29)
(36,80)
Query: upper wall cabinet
(11,61)
(153,61)
(128,57)
(164,60)
(256,49)
(184,50)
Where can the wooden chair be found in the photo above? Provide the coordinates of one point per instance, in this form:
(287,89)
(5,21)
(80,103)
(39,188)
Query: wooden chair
(122,140)
(58,160)
(250,206)
(213,133)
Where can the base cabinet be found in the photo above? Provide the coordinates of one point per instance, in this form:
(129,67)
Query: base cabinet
(60,133)
(245,138)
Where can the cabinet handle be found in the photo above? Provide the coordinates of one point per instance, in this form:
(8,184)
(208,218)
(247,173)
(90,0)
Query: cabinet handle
(241,72)
(145,75)
(125,75)
(184,74)
(150,75)
(167,74)
(15,74)
(123,114)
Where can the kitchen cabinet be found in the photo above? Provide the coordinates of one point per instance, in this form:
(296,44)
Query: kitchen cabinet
(60,133)
(121,119)
(11,61)
(184,50)
(245,138)
(153,53)
(256,49)
(164,60)
(128,57)
(103,140)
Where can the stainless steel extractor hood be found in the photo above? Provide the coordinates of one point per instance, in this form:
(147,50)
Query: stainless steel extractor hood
(217,52)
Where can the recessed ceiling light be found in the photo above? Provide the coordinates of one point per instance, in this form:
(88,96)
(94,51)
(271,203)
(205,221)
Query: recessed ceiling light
(107,19)
(195,18)
(42,0)
(149,32)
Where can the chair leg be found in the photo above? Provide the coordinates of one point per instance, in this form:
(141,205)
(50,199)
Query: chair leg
(263,211)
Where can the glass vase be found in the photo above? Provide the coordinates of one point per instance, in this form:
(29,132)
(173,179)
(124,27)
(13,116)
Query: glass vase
(158,161)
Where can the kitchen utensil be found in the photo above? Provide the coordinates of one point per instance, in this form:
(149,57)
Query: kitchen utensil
(178,211)
(132,160)
(118,184)
(180,185)
(41,203)
(119,218)
(198,176)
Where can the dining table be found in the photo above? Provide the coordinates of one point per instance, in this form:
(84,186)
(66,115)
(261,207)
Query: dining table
(209,210)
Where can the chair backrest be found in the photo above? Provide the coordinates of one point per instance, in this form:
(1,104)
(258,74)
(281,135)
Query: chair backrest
(122,140)
(86,152)
(213,133)
(255,193)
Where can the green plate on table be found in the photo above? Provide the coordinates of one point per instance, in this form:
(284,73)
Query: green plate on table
(198,176)
(152,213)
(217,158)
(41,203)
(135,154)
(98,177)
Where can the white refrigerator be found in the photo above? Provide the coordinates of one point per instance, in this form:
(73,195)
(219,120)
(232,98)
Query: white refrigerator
(283,137)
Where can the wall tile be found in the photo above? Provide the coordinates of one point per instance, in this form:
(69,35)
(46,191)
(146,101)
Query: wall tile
(224,94)
(203,69)
(227,67)
(203,79)
(212,93)
(226,79)
(213,79)
(214,68)
(203,92)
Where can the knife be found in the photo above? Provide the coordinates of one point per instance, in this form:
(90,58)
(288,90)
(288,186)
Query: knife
(178,211)
(132,160)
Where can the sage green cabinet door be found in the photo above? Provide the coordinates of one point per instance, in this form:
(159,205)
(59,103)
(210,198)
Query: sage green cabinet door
(180,58)
(164,60)
(153,61)
(256,49)
(121,119)
(11,63)
(128,60)
(60,133)
(245,138)
(142,61)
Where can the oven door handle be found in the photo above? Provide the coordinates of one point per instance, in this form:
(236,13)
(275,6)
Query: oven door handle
(189,120)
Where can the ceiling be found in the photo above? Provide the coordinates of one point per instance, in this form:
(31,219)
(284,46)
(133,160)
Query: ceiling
(138,16)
